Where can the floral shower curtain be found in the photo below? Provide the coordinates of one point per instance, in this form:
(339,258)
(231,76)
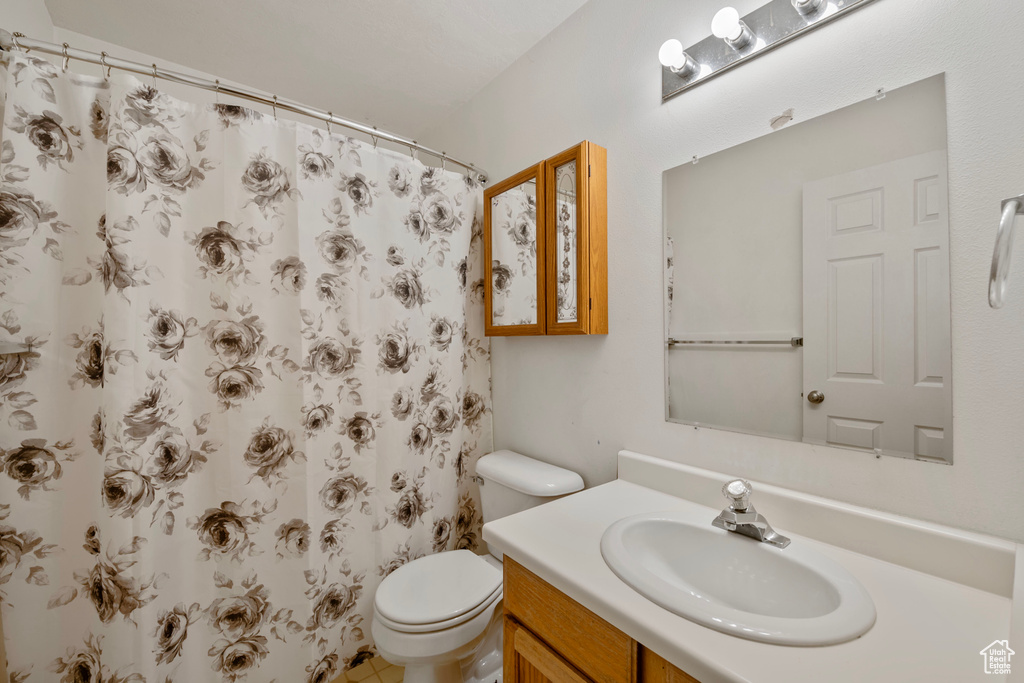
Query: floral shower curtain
(257,383)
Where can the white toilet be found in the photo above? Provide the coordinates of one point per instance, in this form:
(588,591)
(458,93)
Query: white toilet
(440,616)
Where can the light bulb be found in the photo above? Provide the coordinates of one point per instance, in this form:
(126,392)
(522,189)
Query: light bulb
(726,24)
(671,53)
(673,57)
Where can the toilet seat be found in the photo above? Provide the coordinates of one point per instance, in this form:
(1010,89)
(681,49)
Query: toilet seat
(437,592)
(447,623)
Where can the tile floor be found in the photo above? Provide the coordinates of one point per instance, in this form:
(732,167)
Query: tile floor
(377,670)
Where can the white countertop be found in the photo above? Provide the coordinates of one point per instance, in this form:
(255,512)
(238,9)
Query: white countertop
(928,629)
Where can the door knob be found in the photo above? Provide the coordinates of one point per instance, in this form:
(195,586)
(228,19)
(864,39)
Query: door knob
(815,396)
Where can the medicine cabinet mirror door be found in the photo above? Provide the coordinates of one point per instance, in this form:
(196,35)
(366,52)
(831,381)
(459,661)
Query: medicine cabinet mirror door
(569,238)
(514,255)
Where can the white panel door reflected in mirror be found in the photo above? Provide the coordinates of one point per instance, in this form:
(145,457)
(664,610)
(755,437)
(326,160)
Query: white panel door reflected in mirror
(808,284)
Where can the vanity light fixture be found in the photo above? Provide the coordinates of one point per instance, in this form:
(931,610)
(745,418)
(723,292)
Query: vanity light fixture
(728,26)
(673,56)
(736,39)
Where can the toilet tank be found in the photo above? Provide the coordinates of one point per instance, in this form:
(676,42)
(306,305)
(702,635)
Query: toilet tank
(513,483)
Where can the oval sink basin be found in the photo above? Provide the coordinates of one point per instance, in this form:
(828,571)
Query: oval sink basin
(737,585)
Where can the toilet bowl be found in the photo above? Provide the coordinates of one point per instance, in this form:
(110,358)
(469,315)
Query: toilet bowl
(435,617)
(441,616)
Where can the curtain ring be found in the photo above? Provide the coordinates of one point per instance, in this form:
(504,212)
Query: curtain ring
(67,60)
(275,107)
(444,159)
(412,150)
(15,36)
(103,62)
(216,96)
(154,74)
(330,115)
(374,138)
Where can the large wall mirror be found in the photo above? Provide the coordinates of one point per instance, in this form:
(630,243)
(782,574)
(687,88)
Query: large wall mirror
(807,281)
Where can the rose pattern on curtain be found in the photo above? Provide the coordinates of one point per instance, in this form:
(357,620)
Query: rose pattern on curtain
(514,256)
(257,383)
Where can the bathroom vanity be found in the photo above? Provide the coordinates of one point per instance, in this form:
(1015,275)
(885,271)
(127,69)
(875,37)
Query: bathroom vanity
(941,595)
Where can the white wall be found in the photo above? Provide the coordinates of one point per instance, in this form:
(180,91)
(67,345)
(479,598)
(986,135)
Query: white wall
(576,401)
(737,222)
(26,16)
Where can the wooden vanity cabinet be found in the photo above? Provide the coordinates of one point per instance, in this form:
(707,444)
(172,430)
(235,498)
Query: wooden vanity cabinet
(551,637)
(546,247)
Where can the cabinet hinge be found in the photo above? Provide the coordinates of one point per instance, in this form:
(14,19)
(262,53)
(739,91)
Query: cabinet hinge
(588,170)
(591,304)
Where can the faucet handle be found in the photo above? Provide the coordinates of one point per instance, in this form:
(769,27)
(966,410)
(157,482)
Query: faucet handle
(738,492)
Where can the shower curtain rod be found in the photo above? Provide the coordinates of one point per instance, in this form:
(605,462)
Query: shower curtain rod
(18,41)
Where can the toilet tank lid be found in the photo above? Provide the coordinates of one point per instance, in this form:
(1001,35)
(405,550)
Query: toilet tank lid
(527,475)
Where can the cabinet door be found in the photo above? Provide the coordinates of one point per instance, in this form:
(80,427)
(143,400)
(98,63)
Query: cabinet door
(528,660)
(514,255)
(602,652)
(576,227)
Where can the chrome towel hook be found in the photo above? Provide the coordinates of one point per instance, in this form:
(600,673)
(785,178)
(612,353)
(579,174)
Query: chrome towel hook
(1012,208)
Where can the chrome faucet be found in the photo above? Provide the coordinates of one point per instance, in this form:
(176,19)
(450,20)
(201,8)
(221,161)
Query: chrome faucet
(742,518)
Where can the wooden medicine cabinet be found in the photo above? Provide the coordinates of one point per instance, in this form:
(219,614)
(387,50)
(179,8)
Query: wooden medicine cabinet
(546,247)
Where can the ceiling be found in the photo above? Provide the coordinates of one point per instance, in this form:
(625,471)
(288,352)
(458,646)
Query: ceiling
(401,65)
